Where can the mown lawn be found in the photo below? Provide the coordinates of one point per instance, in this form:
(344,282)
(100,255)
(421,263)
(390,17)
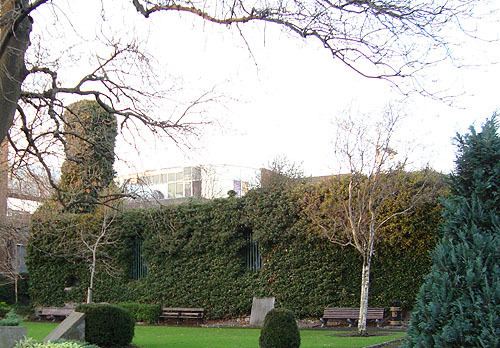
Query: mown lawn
(196,337)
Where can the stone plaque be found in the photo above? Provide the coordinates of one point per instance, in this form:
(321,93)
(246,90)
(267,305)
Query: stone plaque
(71,328)
(260,307)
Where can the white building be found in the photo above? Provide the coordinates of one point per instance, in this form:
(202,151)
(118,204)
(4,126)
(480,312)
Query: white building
(204,181)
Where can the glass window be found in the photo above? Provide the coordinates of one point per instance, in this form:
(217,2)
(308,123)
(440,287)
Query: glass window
(156,179)
(179,192)
(164,178)
(187,174)
(171,190)
(179,176)
(171,177)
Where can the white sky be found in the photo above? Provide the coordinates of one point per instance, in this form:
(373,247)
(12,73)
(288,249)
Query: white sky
(284,100)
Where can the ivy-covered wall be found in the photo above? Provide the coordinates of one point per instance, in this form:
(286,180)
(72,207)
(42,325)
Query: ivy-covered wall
(195,256)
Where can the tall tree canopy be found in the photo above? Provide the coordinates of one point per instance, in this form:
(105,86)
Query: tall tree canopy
(393,40)
(459,303)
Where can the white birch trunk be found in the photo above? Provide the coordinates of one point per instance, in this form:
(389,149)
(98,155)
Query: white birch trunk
(90,288)
(92,273)
(363,303)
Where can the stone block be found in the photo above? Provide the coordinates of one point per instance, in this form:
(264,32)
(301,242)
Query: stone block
(10,335)
(71,328)
(260,307)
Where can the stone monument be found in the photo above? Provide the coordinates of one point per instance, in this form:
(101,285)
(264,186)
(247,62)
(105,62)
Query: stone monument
(260,307)
(10,335)
(71,328)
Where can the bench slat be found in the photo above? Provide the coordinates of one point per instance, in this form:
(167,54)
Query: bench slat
(182,313)
(175,309)
(51,312)
(352,313)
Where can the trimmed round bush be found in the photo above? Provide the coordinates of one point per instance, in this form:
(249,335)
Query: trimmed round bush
(280,330)
(107,325)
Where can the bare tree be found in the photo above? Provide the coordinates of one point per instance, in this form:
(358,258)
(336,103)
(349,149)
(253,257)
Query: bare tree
(280,172)
(86,240)
(390,40)
(13,238)
(94,246)
(356,210)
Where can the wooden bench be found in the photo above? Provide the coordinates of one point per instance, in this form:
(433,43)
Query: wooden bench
(182,313)
(53,313)
(351,315)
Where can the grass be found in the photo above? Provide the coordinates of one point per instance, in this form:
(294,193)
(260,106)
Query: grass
(196,337)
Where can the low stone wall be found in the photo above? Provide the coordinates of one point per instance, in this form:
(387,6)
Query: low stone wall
(10,335)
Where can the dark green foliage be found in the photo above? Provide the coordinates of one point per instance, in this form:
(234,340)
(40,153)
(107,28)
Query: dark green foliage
(280,330)
(11,319)
(107,325)
(7,290)
(90,134)
(459,303)
(55,242)
(24,311)
(4,309)
(147,313)
(195,255)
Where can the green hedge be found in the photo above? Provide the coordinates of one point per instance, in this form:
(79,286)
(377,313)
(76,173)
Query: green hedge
(147,313)
(195,256)
(4,309)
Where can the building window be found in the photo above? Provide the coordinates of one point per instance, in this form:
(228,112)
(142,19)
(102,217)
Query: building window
(180,184)
(253,259)
(240,187)
(139,267)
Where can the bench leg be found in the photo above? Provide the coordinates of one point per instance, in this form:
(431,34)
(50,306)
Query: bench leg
(351,322)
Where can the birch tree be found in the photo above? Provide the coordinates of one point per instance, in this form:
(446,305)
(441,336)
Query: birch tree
(94,249)
(354,213)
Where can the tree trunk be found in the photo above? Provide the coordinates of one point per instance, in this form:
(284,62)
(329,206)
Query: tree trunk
(14,42)
(16,288)
(89,295)
(90,289)
(363,303)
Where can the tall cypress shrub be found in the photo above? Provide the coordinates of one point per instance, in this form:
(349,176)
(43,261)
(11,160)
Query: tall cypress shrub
(459,302)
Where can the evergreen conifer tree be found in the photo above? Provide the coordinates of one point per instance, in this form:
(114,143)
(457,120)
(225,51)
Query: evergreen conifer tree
(458,304)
